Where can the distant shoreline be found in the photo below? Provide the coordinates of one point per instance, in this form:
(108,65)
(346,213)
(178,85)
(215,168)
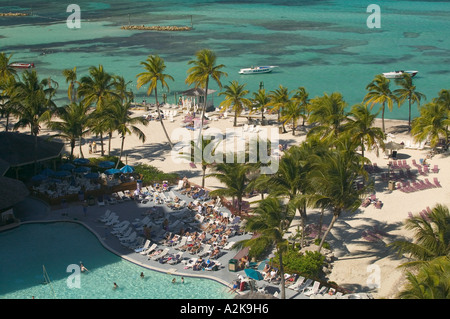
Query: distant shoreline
(156,28)
(13,14)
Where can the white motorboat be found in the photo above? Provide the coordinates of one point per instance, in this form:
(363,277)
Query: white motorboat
(257,70)
(398,74)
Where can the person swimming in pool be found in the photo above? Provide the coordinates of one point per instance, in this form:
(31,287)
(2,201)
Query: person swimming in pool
(82,268)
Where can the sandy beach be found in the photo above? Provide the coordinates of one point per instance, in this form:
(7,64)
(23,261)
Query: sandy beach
(359,264)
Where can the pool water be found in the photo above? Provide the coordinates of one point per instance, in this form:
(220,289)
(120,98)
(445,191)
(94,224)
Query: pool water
(30,248)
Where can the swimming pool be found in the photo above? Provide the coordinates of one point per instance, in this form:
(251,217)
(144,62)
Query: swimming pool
(26,250)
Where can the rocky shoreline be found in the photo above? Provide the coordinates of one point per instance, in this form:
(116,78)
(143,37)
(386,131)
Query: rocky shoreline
(13,14)
(156,28)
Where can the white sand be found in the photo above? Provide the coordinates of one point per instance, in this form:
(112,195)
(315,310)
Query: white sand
(358,262)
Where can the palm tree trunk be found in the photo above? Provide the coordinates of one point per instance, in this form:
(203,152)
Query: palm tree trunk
(409,118)
(101,141)
(109,142)
(81,150)
(203,112)
(204,175)
(235,119)
(382,118)
(160,119)
(283,286)
(335,217)
(121,151)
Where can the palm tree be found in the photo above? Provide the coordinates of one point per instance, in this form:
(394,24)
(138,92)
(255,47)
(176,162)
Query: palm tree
(430,282)
(270,221)
(291,180)
(408,92)
(98,125)
(329,112)
(234,97)
(97,88)
(291,113)
(278,99)
(234,177)
(332,178)
(380,93)
(360,126)
(260,103)
(72,124)
(432,124)
(34,103)
(71,78)
(122,90)
(6,71)
(208,144)
(119,115)
(431,235)
(154,67)
(204,67)
(301,96)
(7,98)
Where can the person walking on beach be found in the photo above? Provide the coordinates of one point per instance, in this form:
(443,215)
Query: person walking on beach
(94,145)
(90,147)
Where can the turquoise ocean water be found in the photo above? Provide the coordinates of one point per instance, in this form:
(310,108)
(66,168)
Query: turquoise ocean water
(324,46)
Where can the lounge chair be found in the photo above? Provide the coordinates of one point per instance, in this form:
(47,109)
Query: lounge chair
(105,216)
(160,255)
(297,284)
(181,243)
(228,246)
(314,289)
(120,228)
(149,249)
(176,259)
(143,248)
(205,250)
(435,169)
(436,182)
(179,186)
(125,234)
(100,201)
(304,285)
(129,239)
(114,220)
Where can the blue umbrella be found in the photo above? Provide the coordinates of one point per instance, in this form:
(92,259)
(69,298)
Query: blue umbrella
(62,174)
(253,274)
(112,171)
(67,167)
(47,172)
(82,169)
(81,161)
(127,169)
(106,164)
(91,175)
(39,177)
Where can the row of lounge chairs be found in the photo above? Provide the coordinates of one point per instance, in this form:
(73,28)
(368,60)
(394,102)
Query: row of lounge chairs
(372,199)
(123,230)
(417,185)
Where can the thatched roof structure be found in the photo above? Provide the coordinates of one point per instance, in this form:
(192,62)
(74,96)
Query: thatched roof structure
(196,92)
(17,149)
(13,191)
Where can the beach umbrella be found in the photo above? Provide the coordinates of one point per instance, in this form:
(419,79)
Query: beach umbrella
(47,172)
(82,169)
(81,161)
(67,167)
(39,178)
(253,274)
(127,169)
(92,175)
(62,174)
(106,164)
(393,146)
(112,171)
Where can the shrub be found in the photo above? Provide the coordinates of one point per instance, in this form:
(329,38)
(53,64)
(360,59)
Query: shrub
(308,264)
